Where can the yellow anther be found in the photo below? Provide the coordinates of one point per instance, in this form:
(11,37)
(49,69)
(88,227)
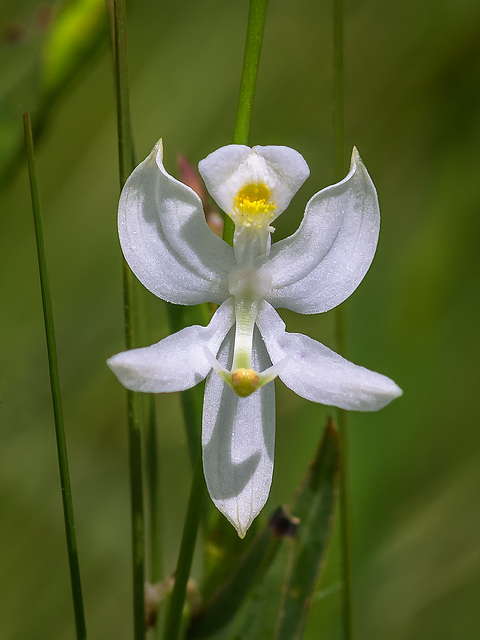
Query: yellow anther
(245,381)
(252,204)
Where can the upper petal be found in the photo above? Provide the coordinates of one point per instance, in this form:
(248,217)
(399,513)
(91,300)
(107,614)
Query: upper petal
(315,372)
(238,441)
(166,240)
(177,362)
(325,260)
(228,169)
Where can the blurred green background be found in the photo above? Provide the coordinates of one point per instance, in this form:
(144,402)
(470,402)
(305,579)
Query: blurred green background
(412,92)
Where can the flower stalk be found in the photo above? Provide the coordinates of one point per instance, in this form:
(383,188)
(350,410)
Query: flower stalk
(253,46)
(251,60)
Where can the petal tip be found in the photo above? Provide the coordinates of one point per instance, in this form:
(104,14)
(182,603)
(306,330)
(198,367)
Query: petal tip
(157,153)
(241,527)
(241,531)
(396,391)
(356,159)
(390,392)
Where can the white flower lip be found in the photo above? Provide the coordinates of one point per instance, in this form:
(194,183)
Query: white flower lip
(171,250)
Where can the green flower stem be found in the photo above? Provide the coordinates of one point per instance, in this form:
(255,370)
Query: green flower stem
(339,166)
(55,389)
(126,164)
(251,61)
(191,400)
(185,557)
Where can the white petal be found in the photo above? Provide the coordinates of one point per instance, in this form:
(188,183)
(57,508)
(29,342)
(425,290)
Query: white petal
(315,372)
(320,265)
(166,240)
(228,169)
(238,441)
(177,362)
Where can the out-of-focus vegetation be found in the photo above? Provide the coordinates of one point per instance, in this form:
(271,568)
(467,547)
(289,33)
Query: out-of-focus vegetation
(413,109)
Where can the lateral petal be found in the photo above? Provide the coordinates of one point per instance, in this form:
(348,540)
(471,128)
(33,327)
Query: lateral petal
(324,261)
(177,362)
(316,373)
(238,441)
(226,170)
(166,240)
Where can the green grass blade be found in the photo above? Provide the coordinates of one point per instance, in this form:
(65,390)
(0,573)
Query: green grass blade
(259,618)
(55,389)
(126,165)
(340,329)
(314,506)
(124,128)
(191,400)
(185,557)
(224,604)
(153,486)
(337,91)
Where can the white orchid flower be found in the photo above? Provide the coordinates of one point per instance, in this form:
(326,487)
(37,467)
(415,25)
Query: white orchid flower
(171,250)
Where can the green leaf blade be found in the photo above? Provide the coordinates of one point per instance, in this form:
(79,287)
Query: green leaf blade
(314,506)
(226,602)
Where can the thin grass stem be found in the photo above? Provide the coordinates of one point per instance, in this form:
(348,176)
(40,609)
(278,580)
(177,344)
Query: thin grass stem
(55,390)
(126,164)
(340,332)
(153,483)
(191,400)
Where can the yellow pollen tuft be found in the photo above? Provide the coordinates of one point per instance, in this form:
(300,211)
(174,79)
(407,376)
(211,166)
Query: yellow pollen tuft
(245,381)
(252,204)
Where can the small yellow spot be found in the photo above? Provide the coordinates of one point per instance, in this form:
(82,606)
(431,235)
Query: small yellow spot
(244,381)
(253,204)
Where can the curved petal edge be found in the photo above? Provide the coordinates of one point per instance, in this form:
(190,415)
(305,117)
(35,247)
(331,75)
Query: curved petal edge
(325,260)
(177,362)
(319,374)
(166,240)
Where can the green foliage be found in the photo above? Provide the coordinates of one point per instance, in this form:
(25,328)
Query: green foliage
(42,53)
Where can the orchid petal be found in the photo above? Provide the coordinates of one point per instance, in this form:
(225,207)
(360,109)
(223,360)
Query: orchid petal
(177,362)
(320,265)
(228,169)
(238,441)
(166,240)
(316,373)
